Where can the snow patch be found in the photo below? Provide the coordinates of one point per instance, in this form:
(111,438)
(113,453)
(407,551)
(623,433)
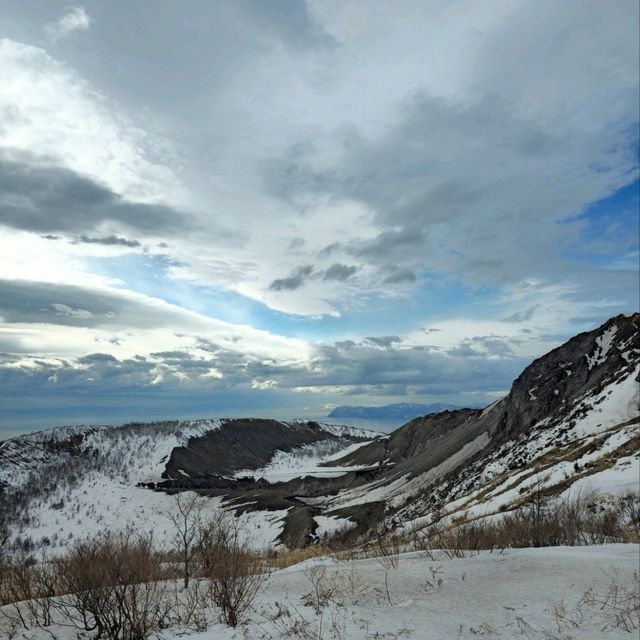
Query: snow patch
(603,344)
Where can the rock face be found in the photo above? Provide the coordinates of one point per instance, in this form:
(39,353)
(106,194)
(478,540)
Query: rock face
(247,443)
(547,389)
(422,443)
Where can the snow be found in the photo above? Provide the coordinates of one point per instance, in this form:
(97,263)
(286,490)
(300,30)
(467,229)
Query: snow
(603,344)
(622,478)
(331,525)
(97,489)
(563,366)
(616,403)
(106,491)
(305,461)
(522,593)
(138,452)
(98,501)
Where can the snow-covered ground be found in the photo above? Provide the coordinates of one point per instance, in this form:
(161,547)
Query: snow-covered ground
(138,453)
(98,502)
(576,593)
(305,461)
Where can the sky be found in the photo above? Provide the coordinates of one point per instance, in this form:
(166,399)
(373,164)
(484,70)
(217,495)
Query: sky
(273,208)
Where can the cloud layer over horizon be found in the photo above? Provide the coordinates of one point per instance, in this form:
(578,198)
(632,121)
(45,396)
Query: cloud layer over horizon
(242,207)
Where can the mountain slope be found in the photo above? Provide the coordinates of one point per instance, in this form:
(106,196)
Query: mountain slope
(571,415)
(569,422)
(57,484)
(247,444)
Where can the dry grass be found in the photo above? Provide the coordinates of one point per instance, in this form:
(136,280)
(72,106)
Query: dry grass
(289,557)
(539,522)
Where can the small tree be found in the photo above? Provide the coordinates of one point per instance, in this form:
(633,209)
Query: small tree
(187,521)
(235,574)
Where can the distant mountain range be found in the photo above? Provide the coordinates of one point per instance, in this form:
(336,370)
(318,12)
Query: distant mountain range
(402,411)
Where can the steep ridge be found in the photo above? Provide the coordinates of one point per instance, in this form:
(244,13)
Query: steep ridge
(548,389)
(551,385)
(571,416)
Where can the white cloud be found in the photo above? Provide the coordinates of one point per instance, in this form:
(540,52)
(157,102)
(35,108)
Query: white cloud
(49,111)
(75,18)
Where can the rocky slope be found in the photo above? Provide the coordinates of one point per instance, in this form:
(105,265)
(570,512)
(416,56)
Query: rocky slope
(570,418)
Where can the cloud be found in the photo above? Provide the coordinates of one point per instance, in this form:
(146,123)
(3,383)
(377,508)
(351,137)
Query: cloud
(63,309)
(449,214)
(361,370)
(294,281)
(50,112)
(455,179)
(383,341)
(521,316)
(292,22)
(75,18)
(36,196)
(76,317)
(400,276)
(340,272)
(484,347)
(111,240)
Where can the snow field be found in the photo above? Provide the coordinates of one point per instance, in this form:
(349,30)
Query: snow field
(305,461)
(526,593)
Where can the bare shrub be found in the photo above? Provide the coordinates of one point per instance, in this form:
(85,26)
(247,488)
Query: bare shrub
(235,574)
(325,588)
(29,587)
(290,557)
(618,603)
(190,605)
(581,519)
(388,547)
(329,588)
(112,585)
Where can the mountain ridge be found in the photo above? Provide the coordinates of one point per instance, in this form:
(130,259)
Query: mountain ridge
(570,418)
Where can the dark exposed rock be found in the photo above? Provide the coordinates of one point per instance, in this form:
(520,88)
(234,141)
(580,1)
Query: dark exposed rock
(247,443)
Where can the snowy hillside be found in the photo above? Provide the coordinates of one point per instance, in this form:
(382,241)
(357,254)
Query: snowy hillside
(308,460)
(578,593)
(71,482)
(582,404)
